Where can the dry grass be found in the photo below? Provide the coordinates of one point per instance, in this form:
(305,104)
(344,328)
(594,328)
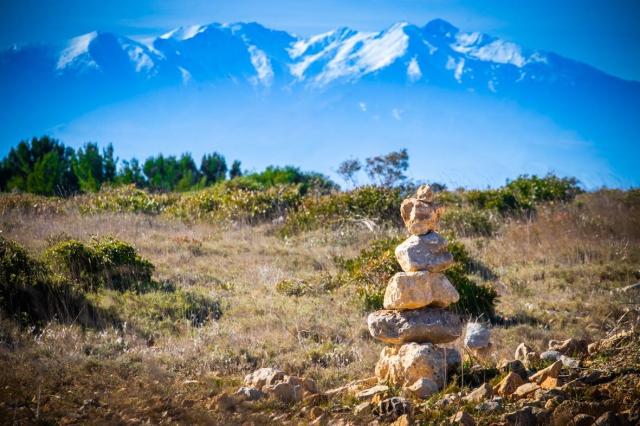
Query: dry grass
(557,270)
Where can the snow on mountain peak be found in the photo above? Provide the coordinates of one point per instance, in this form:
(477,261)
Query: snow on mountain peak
(76,47)
(184,33)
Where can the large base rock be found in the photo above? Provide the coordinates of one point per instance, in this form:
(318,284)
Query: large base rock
(412,290)
(432,325)
(405,365)
(424,253)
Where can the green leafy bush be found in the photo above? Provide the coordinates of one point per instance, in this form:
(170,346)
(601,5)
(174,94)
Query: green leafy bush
(524,193)
(125,199)
(293,287)
(375,203)
(232,200)
(105,263)
(371,270)
(466,222)
(30,294)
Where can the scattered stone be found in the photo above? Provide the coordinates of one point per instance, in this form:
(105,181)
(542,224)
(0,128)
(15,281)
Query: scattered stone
(526,389)
(403,420)
(419,216)
(264,377)
(424,253)
(392,408)
(477,335)
(363,409)
(484,391)
(423,388)
(249,394)
(527,416)
(515,366)
(609,342)
(285,392)
(433,325)
(551,371)
(447,400)
(492,405)
(405,365)
(368,393)
(569,347)
(550,356)
(526,355)
(462,418)
(509,384)
(550,383)
(582,420)
(609,419)
(569,362)
(412,290)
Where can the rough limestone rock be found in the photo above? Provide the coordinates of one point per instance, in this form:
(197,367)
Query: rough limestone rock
(431,325)
(569,347)
(420,217)
(477,336)
(424,253)
(479,394)
(264,377)
(285,392)
(423,388)
(425,193)
(412,290)
(513,365)
(509,384)
(404,365)
(249,394)
(551,371)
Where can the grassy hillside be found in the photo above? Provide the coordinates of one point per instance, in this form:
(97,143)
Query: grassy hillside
(243,278)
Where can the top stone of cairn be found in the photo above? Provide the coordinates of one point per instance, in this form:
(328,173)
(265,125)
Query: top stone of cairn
(420,214)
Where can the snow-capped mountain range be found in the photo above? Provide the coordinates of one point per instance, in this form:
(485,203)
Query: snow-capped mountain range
(437,53)
(57,83)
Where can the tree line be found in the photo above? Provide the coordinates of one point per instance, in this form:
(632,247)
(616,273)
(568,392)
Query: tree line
(46,166)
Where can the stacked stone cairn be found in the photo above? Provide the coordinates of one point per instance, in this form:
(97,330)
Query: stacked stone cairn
(415,320)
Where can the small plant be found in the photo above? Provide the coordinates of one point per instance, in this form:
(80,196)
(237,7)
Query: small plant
(293,287)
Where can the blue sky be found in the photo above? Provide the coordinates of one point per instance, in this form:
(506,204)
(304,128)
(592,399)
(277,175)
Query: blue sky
(601,33)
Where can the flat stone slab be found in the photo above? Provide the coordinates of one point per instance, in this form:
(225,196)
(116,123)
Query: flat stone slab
(412,290)
(432,325)
(426,252)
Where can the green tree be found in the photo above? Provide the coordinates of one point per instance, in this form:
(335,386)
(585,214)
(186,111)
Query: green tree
(46,174)
(21,161)
(235,171)
(169,173)
(213,168)
(388,170)
(131,173)
(348,170)
(88,167)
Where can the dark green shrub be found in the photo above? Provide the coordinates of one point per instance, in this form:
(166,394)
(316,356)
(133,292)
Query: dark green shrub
(379,204)
(524,193)
(32,296)
(231,200)
(126,198)
(105,263)
(467,222)
(371,270)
